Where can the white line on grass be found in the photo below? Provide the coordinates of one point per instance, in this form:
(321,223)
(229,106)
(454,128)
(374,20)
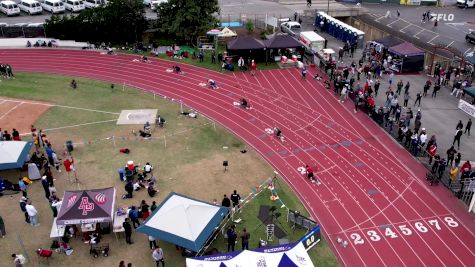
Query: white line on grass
(72,126)
(61,106)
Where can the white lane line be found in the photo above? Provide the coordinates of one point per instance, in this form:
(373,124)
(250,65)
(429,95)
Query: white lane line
(419,33)
(450,44)
(401,30)
(429,42)
(379,18)
(466,51)
(393,22)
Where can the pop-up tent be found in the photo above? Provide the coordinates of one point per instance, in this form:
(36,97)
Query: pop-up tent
(184,221)
(409,57)
(247,46)
(87,206)
(227,32)
(290,255)
(13,154)
(389,41)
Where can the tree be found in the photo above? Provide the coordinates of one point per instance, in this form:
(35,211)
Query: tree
(186,19)
(118,22)
(249,26)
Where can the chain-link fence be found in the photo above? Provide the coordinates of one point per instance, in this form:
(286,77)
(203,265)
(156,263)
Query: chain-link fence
(14,31)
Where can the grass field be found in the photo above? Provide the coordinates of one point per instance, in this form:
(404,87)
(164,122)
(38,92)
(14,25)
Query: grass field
(187,155)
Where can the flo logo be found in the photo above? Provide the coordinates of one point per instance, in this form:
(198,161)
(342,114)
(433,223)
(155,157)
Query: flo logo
(442,17)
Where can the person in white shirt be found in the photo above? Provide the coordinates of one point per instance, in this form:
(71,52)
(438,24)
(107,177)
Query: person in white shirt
(18,260)
(33,213)
(147,168)
(157,255)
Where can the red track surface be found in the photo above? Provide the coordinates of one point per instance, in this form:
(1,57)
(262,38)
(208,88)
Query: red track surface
(373,192)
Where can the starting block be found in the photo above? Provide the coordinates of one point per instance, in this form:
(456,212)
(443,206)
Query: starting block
(202,84)
(169,70)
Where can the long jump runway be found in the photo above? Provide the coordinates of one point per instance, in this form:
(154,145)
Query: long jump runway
(372,191)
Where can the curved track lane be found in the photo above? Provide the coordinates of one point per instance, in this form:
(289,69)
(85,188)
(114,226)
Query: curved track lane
(371,193)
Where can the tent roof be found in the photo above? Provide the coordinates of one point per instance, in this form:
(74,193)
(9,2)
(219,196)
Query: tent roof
(389,41)
(226,32)
(282,41)
(470,91)
(245,43)
(87,206)
(406,49)
(13,154)
(184,221)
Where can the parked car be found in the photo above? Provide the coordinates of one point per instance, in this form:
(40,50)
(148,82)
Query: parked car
(293,28)
(470,37)
(94,3)
(9,8)
(155,3)
(30,7)
(53,6)
(74,5)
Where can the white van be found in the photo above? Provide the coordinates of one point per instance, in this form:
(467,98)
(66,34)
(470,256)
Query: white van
(30,7)
(53,6)
(74,5)
(93,3)
(9,8)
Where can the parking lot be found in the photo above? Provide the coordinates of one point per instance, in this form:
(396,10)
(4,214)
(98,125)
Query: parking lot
(25,18)
(453,25)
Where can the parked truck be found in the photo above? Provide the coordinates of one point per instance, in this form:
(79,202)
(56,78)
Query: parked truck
(312,41)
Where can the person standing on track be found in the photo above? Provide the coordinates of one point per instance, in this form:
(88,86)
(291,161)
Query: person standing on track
(304,73)
(468,126)
(457,136)
(253,68)
(309,173)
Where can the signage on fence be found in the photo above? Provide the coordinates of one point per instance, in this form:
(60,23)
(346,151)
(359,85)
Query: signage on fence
(465,106)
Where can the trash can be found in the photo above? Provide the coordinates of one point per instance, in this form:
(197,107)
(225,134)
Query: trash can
(69,146)
(121,174)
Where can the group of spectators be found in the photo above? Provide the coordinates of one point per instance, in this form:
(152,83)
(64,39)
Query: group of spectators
(362,82)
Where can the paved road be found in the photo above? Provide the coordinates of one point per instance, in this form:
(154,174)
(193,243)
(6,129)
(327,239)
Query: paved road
(448,33)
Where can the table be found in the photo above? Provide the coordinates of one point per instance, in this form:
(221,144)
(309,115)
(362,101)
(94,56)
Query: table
(57,231)
(118,221)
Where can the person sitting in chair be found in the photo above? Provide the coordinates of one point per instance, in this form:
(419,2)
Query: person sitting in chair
(160,121)
(212,84)
(147,168)
(147,128)
(144,134)
(151,189)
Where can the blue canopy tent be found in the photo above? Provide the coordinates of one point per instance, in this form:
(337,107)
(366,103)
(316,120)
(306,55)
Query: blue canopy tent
(184,221)
(13,154)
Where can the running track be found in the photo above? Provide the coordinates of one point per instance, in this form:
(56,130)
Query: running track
(373,192)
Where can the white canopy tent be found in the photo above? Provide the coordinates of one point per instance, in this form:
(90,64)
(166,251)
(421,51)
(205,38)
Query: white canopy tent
(13,154)
(184,221)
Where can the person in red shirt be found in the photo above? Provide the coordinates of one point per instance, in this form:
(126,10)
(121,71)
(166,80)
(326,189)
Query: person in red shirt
(68,164)
(309,172)
(466,166)
(253,68)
